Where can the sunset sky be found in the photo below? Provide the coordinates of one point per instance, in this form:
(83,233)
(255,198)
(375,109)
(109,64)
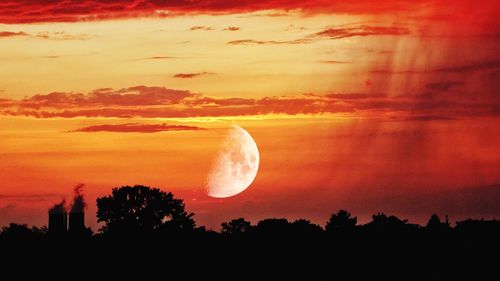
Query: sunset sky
(371,106)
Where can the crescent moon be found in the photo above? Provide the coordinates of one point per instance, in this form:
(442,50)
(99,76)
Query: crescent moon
(236,165)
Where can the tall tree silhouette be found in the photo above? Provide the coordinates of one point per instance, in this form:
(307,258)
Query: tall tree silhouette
(341,223)
(236,226)
(141,208)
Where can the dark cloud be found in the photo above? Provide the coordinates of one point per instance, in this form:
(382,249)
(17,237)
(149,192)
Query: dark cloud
(136,128)
(475,66)
(232,28)
(443,85)
(483,65)
(364,30)
(201,27)
(190,75)
(425,118)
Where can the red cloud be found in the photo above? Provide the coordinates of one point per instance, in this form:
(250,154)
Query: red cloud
(29,11)
(133,96)
(329,33)
(136,128)
(160,102)
(12,34)
(232,28)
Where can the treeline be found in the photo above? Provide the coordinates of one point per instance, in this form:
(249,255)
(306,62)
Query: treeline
(144,228)
(341,225)
(142,211)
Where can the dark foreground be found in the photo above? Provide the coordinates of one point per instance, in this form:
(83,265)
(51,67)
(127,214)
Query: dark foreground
(273,250)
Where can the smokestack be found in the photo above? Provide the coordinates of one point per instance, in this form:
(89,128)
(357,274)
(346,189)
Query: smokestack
(77,215)
(58,217)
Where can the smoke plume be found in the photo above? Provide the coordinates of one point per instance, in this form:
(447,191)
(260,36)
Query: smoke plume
(58,208)
(78,205)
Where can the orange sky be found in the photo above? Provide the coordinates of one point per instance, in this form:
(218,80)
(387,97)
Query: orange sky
(372,107)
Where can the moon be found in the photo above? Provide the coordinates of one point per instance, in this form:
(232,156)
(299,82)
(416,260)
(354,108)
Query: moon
(236,165)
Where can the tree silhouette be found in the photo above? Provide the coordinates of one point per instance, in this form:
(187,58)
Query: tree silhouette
(381,219)
(21,232)
(132,209)
(341,222)
(389,226)
(305,229)
(272,228)
(236,226)
(434,221)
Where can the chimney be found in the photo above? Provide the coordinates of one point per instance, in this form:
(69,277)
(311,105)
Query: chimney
(76,222)
(58,217)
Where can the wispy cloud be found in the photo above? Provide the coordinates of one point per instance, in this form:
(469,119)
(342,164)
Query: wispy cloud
(136,128)
(268,42)
(191,75)
(160,58)
(333,62)
(29,197)
(60,35)
(45,35)
(331,33)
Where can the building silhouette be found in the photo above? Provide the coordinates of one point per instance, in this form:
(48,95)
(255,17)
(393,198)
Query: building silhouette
(76,222)
(58,222)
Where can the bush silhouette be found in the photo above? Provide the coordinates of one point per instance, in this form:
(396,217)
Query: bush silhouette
(341,223)
(140,209)
(21,232)
(236,226)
